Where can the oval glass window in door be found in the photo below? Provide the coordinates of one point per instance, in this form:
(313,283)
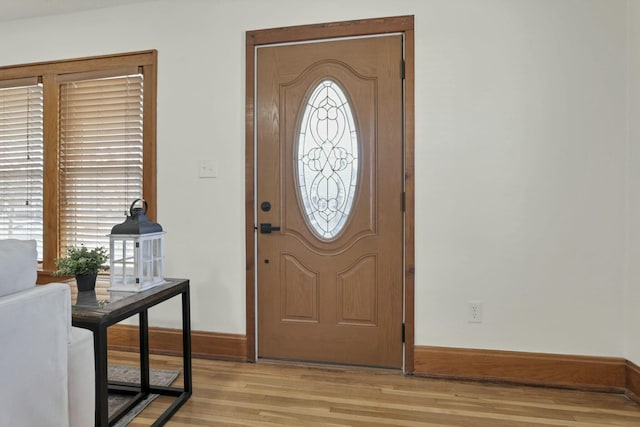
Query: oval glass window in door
(327,159)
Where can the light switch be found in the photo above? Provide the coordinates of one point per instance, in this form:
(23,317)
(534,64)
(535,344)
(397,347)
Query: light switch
(207,169)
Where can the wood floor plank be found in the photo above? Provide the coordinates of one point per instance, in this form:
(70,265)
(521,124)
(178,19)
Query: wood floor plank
(279,394)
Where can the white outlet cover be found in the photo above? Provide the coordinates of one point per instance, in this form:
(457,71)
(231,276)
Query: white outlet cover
(474,312)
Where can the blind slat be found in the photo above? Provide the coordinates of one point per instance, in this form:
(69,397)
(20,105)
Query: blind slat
(21,160)
(100,156)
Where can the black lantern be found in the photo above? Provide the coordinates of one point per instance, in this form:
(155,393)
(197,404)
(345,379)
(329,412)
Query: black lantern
(137,252)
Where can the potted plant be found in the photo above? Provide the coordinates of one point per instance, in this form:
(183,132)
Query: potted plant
(84,264)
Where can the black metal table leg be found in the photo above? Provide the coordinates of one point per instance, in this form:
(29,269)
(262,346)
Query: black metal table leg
(186,341)
(144,351)
(102,385)
(181,395)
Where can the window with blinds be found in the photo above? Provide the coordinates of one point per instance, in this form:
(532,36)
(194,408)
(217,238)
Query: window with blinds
(21,160)
(77,146)
(101,155)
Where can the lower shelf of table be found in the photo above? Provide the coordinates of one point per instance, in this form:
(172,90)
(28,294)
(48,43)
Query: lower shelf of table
(135,390)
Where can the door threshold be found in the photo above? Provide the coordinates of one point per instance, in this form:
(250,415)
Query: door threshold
(327,366)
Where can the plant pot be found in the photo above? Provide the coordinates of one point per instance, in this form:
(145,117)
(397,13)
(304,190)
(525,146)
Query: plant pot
(86,282)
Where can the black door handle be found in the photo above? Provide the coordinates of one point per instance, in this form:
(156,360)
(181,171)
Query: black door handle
(266,228)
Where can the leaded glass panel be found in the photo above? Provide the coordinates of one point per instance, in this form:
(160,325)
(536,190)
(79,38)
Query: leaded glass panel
(327,159)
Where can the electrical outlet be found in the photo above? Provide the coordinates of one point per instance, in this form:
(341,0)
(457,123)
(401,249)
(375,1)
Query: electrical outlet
(475,312)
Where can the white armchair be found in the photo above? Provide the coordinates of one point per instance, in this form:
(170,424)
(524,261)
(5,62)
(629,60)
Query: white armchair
(46,366)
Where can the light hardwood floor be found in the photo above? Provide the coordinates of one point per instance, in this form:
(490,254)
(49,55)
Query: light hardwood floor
(278,394)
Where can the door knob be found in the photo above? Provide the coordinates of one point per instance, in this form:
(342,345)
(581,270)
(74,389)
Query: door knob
(267,228)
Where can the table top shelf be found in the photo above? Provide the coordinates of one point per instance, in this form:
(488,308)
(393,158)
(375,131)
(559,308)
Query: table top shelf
(106,306)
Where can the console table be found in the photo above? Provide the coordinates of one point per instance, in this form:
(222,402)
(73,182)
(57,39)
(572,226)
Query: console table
(99,309)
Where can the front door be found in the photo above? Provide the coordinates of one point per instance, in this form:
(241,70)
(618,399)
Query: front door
(330,201)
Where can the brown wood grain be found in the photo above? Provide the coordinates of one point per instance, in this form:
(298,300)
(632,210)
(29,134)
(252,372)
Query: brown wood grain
(399,24)
(45,277)
(331,30)
(633,381)
(77,65)
(329,288)
(549,370)
(579,372)
(50,73)
(51,174)
(278,394)
(409,188)
(149,171)
(249,200)
(206,345)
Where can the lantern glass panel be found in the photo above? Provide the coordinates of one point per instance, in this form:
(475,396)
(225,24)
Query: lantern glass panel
(137,261)
(123,262)
(146,250)
(157,248)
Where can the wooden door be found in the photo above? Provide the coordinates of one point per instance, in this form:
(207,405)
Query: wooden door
(330,201)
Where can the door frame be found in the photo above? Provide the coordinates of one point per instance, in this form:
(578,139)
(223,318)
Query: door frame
(357,28)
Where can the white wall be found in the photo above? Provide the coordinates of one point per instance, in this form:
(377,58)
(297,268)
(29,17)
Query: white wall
(632,294)
(520,186)
(520,154)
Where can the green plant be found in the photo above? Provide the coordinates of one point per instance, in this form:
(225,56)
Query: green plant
(82,261)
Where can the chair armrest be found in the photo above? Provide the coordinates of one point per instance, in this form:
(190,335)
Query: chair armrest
(34,332)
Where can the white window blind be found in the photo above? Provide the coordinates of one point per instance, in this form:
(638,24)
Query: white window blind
(21,160)
(101,150)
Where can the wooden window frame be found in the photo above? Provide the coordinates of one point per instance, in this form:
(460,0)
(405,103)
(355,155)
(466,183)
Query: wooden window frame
(51,73)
